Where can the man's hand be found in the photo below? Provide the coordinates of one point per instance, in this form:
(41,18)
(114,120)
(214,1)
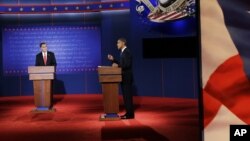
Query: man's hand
(114,65)
(110,57)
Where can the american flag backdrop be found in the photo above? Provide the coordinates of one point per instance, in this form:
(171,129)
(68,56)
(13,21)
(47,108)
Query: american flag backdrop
(225,38)
(175,14)
(155,11)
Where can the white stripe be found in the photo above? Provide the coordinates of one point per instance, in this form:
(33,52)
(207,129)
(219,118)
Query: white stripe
(177,14)
(218,129)
(167,16)
(161,14)
(217,46)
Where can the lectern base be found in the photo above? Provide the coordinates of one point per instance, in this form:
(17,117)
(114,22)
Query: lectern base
(108,117)
(43,110)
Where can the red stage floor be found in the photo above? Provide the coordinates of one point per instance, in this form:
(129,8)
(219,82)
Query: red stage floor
(76,119)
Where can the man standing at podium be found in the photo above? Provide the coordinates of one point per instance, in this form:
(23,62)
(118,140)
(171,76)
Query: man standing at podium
(127,77)
(45,57)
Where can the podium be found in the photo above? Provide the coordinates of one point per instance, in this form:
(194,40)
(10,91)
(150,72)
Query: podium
(110,77)
(42,77)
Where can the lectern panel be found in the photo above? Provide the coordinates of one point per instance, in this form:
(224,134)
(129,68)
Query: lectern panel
(41,69)
(110,78)
(108,70)
(110,95)
(42,93)
(41,76)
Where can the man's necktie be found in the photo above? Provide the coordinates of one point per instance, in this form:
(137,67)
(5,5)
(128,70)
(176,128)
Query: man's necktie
(44,59)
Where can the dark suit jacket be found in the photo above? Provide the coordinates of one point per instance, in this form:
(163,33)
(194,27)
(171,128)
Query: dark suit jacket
(51,59)
(126,64)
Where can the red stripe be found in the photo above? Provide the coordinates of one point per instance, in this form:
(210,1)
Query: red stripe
(230,86)
(163,15)
(167,16)
(177,16)
(211,107)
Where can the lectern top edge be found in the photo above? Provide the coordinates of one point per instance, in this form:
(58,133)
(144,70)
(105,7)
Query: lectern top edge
(41,69)
(106,67)
(104,70)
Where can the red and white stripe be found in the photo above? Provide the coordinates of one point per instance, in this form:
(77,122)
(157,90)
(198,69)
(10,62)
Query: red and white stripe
(166,16)
(226,88)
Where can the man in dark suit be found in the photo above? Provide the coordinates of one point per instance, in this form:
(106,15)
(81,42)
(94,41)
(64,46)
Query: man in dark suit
(45,57)
(127,77)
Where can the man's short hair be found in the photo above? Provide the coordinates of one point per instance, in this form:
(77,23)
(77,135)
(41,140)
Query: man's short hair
(123,40)
(42,43)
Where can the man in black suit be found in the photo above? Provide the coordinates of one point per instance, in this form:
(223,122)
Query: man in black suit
(45,57)
(127,77)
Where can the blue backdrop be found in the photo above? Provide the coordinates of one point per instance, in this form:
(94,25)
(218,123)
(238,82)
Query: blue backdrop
(74,47)
(166,77)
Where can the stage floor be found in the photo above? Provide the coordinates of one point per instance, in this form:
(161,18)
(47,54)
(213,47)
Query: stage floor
(77,119)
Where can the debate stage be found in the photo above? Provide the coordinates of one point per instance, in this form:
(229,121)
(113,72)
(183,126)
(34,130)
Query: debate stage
(77,119)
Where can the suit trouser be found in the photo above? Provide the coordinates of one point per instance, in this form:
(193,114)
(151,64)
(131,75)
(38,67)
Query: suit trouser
(127,97)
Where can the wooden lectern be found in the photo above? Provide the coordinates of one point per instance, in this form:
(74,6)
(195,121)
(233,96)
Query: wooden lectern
(42,77)
(110,77)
